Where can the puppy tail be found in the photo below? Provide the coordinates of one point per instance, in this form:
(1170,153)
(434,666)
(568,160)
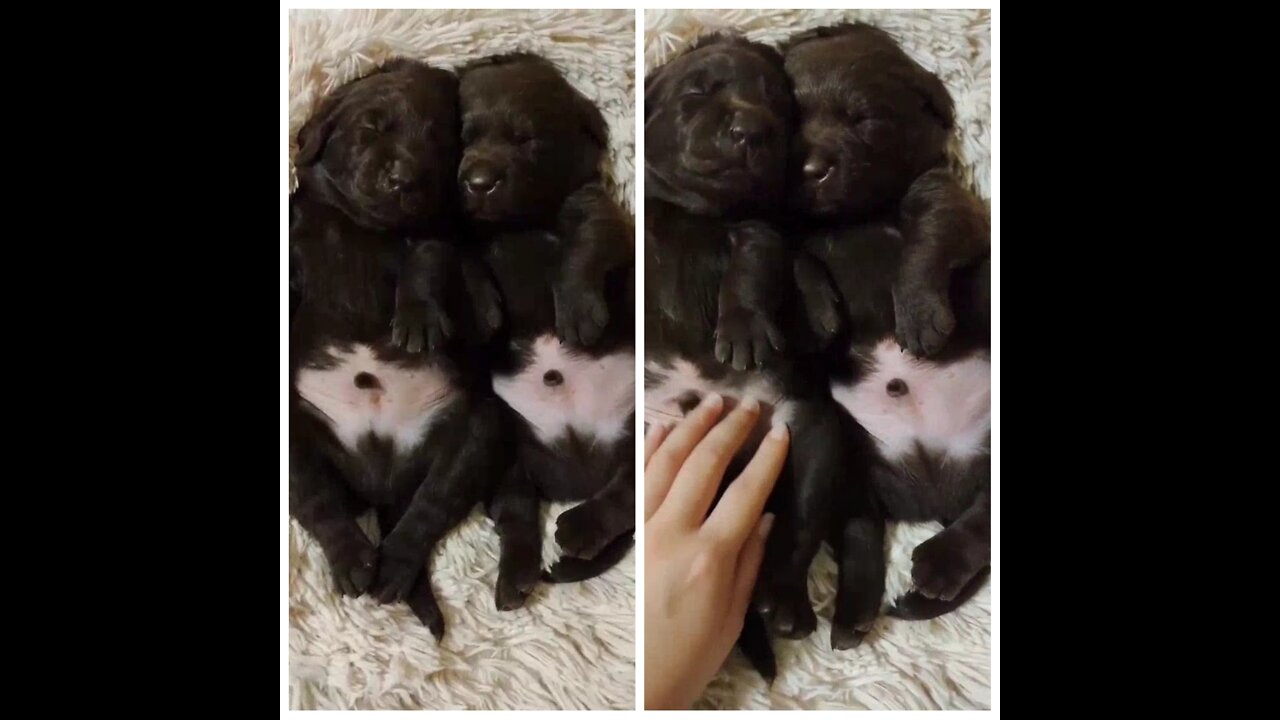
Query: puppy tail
(914,606)
(572,569)
(754,643)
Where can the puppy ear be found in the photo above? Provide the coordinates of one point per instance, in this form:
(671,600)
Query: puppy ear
(592,121)
(937,101)
(652,88)
(315,132)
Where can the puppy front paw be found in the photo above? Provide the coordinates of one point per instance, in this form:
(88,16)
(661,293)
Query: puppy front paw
(418,324)
(942,566)
(353,567)
(923,321)
(581,313)
(581,532)
(746,338)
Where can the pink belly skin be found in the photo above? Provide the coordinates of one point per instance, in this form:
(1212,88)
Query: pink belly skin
(946,407)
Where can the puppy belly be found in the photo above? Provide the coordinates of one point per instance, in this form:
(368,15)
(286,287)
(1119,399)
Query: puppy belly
(560,391)
(904,401)
(671,391)
(361,395)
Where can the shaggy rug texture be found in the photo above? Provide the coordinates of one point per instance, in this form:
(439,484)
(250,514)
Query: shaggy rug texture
(571,646)
(942,664)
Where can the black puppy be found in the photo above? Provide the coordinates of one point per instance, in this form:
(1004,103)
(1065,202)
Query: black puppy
(720,287)
(416,437)
(561,253)
(907,249)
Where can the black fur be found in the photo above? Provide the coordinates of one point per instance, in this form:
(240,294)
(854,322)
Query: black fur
(372,235)
(905,250)
(561,254)
(720,286)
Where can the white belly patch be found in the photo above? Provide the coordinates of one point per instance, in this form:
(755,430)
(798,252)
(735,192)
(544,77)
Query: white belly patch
(363,395)
(904,400)
(680,382)
(560,392)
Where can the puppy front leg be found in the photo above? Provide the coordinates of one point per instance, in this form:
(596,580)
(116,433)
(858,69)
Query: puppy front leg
(583,531)
(514,511)
(324,505)
(599,241)
(421,320)
(747,333)
(945,229)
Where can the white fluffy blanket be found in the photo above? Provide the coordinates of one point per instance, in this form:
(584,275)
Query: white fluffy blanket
(571,646)
(942,664)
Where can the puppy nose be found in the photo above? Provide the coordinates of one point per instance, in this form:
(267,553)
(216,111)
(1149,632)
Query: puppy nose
(482,180)
(747,129)
(816,169)
(397,177)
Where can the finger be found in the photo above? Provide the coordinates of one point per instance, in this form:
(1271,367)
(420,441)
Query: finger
(661,469)
(695,485)
(748,567)
(657,433)
(415,340)
(397,334)
(739,508)
(742,355)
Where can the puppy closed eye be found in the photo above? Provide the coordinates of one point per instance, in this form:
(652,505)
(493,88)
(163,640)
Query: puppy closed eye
(702,89)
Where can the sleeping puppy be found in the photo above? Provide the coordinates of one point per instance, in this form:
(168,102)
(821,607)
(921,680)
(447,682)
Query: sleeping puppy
(872,146)
(719,287)
(906,249)
(561,254)
(414,436)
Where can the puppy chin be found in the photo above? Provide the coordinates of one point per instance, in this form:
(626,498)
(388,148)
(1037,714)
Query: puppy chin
(483,207)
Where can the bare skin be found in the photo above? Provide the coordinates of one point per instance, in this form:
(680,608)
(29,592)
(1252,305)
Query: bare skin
(700,569)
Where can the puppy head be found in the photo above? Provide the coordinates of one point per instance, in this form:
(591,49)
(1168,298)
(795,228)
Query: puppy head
(716,126)
(871,119)
(384,148)
(529,139)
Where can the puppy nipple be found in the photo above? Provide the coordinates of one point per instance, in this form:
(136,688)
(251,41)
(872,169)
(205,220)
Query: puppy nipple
(365,381)
(552,378)
(896,388)
(688,401)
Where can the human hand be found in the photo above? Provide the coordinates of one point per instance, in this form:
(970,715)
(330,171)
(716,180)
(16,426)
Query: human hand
(700,569)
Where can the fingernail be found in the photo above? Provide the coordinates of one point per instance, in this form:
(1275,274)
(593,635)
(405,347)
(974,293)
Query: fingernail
(765,525)
(712,402)
(779,431)
(659,427)
(751,405)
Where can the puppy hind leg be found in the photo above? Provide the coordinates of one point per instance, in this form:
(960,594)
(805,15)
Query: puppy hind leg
(818,460)
(585,530)
(860,553)
(944,567)
(514,511)
(324,505)
(453,485)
